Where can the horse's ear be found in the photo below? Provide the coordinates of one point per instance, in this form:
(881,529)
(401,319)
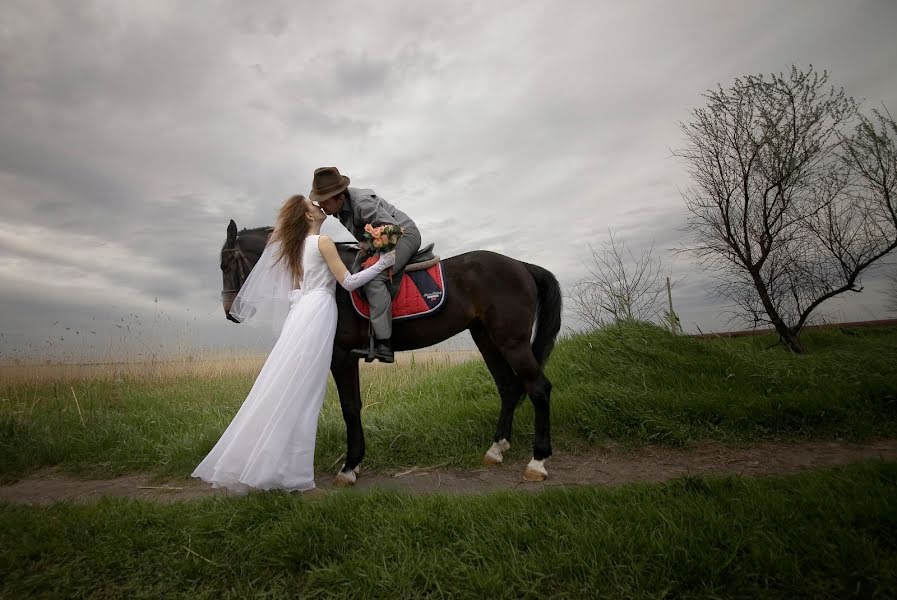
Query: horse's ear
(231,231)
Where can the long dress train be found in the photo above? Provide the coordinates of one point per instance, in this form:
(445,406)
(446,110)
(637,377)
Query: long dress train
(270,443)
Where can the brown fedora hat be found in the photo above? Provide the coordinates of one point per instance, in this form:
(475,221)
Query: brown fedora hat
(327,183)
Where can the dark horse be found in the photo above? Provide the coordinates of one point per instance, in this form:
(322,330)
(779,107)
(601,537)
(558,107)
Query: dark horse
(499,299)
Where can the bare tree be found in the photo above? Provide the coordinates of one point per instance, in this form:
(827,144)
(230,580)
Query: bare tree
(789,205)
(620,286)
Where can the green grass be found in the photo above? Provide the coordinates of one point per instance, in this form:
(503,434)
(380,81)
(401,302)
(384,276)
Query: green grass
(638,383)
(830,534)
(633,385)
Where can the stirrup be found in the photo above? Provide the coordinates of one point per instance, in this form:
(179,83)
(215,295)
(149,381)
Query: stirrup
(367,355)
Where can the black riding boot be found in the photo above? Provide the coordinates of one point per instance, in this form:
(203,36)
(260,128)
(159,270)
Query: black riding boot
(383,351)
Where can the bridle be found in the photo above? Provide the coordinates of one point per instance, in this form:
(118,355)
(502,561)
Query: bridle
(243,266)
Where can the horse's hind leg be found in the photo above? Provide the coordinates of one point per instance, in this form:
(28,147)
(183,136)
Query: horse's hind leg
(510,390)
(519,356)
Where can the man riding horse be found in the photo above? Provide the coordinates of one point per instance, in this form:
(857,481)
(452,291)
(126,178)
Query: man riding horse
(356,208)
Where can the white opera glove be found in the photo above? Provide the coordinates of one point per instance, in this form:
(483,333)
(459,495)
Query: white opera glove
(354,281)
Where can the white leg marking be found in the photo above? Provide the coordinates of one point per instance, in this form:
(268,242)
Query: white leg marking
(535,471)
(346,479)
(493,455)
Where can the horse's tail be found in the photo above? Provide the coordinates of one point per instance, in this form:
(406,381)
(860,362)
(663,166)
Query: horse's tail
(548,320)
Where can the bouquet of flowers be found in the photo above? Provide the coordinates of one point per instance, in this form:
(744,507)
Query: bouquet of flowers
(383,238)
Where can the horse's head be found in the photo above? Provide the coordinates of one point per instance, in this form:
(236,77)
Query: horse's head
(238,255)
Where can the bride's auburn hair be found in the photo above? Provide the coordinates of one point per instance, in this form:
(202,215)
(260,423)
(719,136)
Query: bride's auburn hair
(291,230)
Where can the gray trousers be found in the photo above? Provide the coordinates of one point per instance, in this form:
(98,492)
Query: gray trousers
(378,290)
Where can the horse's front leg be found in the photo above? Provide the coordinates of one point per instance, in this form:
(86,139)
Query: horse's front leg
(345,374)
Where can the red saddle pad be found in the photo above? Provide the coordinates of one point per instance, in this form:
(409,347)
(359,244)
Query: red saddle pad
(421,293)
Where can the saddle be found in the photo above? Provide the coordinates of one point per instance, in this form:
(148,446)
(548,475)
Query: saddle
(422,259)
(420,292)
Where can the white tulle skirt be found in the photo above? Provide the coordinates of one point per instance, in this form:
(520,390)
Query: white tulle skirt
(270,444)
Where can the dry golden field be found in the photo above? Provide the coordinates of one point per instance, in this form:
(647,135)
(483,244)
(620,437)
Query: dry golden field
(212,364)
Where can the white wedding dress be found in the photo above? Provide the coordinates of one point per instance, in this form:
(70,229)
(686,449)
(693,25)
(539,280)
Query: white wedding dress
(270,444)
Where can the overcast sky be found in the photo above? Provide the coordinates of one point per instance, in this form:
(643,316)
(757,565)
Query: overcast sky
(131,132)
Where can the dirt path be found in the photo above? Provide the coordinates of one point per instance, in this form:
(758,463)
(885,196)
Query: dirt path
(646,465)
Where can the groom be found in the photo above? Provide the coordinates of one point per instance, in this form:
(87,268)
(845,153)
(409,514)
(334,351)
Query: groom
(355,208)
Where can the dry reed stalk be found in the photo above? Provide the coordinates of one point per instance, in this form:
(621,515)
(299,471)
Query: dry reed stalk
(78,405)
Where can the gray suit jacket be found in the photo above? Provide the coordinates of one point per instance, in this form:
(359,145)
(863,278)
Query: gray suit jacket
(364,206)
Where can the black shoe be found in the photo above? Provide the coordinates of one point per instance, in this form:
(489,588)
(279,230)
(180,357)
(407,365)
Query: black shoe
(383,351)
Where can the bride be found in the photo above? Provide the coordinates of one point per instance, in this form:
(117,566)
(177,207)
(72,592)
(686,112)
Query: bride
(270,444)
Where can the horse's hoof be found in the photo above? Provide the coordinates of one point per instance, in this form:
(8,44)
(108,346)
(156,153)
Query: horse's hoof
(346,478)
(533,475)
(493,458)
(493,455)
(535,471)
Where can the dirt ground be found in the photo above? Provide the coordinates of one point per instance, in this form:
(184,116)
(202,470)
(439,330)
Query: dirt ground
(602,469)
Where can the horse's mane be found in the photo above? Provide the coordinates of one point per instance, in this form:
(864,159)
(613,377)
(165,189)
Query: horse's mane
(257,238)
(265,230)
(256,230)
